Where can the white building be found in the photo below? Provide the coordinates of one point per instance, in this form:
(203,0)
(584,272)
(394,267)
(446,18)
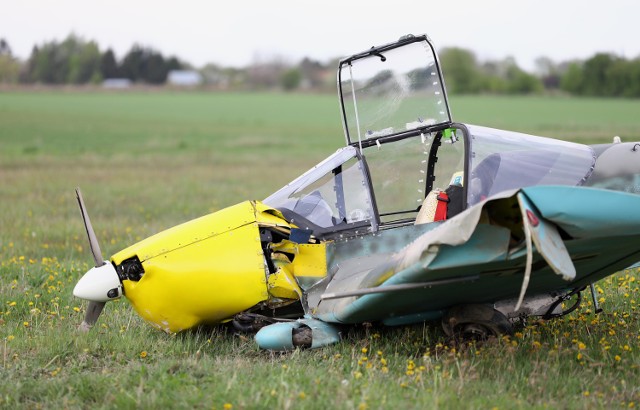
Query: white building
(184,78)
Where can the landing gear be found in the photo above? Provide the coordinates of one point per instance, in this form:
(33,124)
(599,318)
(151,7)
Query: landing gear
(475,322)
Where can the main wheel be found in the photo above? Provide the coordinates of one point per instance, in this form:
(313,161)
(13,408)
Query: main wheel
(475,322)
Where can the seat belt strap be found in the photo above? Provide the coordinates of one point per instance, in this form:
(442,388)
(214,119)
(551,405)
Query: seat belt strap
(441,208)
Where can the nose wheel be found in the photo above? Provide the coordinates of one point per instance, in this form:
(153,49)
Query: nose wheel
(475,322)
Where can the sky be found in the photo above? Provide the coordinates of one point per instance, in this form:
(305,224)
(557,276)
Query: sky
(237,33)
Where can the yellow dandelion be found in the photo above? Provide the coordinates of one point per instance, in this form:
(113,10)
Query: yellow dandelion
(364,350)
(302,395)
(25,324)
(10,337)
(227,406)
(357,375)
(617,358)
(12,303)
(76,309)
(582,346)
(143,354)
(586,393)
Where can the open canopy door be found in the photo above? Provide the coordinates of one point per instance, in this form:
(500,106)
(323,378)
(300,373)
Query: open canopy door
(392,89)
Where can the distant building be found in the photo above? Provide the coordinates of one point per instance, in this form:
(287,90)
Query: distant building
(184,78)
(117,83)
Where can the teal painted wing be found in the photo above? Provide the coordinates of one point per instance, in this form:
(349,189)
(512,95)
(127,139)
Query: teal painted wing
(480,256)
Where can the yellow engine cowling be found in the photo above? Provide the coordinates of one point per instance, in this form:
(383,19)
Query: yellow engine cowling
(204,271)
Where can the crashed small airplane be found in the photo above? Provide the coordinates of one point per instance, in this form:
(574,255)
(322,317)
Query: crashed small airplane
(417,218)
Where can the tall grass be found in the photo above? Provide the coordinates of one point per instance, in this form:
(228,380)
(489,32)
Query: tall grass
(147,161)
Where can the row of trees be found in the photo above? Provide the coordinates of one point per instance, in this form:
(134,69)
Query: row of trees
(602,75)
(77,61)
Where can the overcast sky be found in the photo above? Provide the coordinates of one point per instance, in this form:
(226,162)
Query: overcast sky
(237,32)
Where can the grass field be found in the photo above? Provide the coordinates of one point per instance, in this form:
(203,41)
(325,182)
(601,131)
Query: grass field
(149,160)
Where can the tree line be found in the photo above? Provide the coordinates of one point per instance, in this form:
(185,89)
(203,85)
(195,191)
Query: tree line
(78,61)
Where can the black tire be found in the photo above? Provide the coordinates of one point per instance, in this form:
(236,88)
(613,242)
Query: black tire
(475,322)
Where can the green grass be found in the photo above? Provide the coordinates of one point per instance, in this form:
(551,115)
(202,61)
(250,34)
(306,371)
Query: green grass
(147,161)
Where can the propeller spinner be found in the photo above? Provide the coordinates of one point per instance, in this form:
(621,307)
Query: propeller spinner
(101,283)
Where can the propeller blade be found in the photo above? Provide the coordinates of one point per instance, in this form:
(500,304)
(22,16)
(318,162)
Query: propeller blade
(91,316)
(93,240)
(94,309)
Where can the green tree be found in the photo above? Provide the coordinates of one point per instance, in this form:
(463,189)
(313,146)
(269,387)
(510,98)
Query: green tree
(632,87)
(5,50)
(9,66)
(595,75)
(521,82)
(144,64)
(291,79)
(461,71)
(573,79)
(72,61)
(84,61)
(108,65)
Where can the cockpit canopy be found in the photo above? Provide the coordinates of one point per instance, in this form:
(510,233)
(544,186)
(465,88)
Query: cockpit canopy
(392,89)
(385,184)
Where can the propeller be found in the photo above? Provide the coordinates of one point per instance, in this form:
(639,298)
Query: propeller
(100,283)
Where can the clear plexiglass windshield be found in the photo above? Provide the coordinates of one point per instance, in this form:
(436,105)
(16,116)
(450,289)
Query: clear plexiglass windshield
(503,160)
(392,91)
(333,194)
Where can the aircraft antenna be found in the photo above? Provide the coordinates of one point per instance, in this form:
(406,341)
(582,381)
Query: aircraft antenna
(355,107)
